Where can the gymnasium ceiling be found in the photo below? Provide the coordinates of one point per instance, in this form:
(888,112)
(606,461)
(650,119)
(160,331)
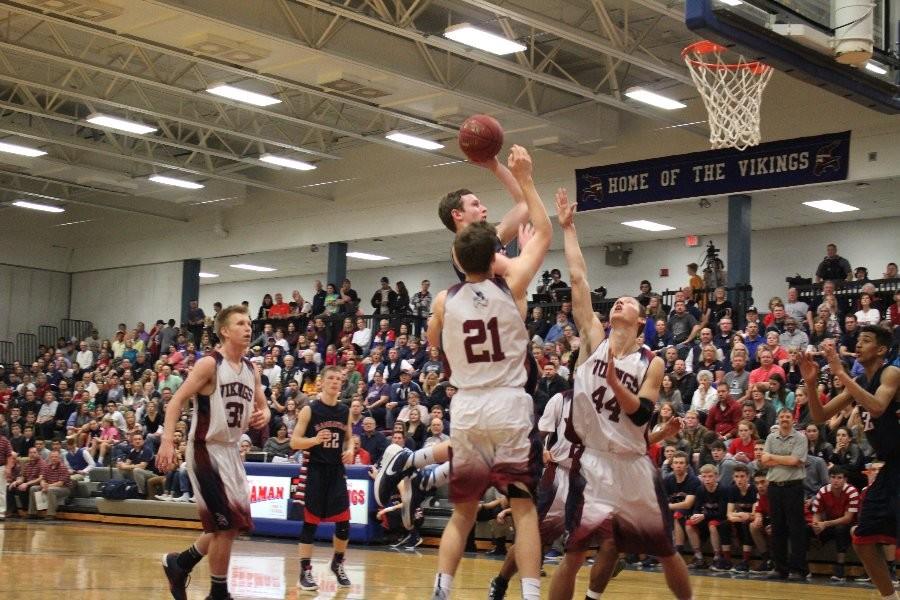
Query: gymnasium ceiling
(346,73)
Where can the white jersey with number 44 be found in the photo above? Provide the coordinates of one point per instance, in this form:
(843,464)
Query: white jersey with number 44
(484,337)
(598,422)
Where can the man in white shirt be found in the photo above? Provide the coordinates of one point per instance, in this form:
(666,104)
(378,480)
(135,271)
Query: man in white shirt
(794,307)
(362,337)
(437,433)
(84,357)
(271,370)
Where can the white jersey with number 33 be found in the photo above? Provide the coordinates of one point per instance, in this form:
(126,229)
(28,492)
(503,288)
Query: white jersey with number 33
(223,416)
(598,421)
(484,336)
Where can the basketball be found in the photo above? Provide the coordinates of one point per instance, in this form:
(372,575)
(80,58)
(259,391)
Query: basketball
(480,138)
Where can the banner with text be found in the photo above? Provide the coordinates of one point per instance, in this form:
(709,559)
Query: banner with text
(784,163)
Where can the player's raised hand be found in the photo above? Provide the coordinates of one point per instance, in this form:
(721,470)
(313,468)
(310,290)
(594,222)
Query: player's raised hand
(165,457)
(673,426)
(809,370)
(526,232)
(615,385)
(834,361)
(565,210)
(519,162)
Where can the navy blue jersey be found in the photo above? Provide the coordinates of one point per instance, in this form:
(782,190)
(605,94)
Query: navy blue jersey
(677,492)
(743,502)
(883,433)
(333,418)
(713,505)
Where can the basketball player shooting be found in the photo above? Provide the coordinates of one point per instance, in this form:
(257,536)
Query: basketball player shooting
(615,494)
(229,398)
(481,324)
(877,392)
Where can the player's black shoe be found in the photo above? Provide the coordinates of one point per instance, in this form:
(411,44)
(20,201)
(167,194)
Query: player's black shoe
(497,590)
(307,582)
(178,577)
(338,569)
(393,470)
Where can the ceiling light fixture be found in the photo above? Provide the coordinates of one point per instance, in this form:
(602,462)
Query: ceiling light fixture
(36,206)
(21,150)
(875,68)
(182,183)
(831,206)
(248,97)
(732,2)
(653,99)
(119,124)
(203,275)
(283,161)
(366,256)
(75,223)
(648,225)
(483,40)
(247,267)
(411,140)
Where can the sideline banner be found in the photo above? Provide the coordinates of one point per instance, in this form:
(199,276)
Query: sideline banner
(785,163)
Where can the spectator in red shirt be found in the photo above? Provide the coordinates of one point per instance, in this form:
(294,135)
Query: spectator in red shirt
(724,415)
(766,368)
(279,310)
(55,483)
(743,446)
(29,477)
(834,510)
(360,456)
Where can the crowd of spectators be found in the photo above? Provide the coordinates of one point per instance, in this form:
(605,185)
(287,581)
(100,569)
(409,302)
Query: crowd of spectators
(99,402)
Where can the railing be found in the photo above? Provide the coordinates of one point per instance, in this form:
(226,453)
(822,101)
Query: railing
(47,335)
(70,328)
(26,348)
(845,291)
(7,354)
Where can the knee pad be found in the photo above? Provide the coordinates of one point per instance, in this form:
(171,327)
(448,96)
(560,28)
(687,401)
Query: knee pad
(308,533)
(342,530)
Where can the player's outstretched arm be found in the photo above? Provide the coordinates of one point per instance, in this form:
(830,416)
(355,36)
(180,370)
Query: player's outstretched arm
(518,214)
(522,269)
(199,378)
(819,412)
(875,403)
(589,327)
(639,407)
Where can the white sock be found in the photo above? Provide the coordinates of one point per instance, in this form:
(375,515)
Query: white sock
(893,596)
(443,582)
(592,594)
(421,458)
(441,476)
(531,589)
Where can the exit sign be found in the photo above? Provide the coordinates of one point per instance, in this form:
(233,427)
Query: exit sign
(691,241)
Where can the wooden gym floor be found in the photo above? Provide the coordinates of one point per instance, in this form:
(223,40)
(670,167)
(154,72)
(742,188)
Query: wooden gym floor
(88,561)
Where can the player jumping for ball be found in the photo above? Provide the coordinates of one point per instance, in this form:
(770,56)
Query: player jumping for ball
(229,397)
(615,493)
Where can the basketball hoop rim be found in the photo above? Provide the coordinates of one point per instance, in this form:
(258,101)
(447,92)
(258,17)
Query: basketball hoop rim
(704,47)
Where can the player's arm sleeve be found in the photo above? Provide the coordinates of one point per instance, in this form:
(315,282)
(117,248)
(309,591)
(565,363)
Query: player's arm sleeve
(642,415)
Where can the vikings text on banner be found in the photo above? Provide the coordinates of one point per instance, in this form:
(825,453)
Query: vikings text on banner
(784,163)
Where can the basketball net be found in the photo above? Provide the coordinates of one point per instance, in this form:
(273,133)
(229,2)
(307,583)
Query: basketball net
(732,93)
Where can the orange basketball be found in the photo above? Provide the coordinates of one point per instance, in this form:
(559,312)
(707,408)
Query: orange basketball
(480,138)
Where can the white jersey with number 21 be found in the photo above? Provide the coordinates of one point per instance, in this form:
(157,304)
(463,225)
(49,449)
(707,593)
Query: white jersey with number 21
(484,337)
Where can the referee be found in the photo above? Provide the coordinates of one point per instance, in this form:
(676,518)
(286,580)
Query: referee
(785,458)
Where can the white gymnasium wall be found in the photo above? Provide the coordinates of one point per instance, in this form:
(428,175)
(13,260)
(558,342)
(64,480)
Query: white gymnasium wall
(30,298)
(127,295)
(776,254)
(364,281)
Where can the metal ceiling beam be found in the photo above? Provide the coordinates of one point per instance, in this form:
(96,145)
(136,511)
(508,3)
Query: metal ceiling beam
(83,147)
(487,59)
(662,8)
(577,36)
(72,62)
(227,67)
